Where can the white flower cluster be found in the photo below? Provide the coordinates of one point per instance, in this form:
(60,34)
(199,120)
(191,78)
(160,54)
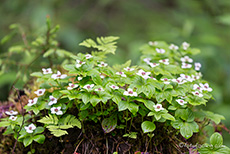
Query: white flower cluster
(12,115)
(200,88)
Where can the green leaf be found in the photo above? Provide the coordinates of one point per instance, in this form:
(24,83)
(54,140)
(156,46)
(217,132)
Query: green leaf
(186,131)
(96,77)
(168,116)
(149,104)
(48,53)
(4,123)
(39,130)
(86,97)
(36,74)
(214,117)
(133,108)
(95,100)
(177,123)
(148,126)
(216,140)
(109,124)
(27,141)
(39,138)
(148,90)
(122,105)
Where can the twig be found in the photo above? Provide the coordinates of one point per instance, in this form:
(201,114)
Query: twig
(23,119)
(75,151)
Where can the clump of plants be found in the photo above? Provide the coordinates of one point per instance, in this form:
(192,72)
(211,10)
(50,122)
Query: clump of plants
(151,107)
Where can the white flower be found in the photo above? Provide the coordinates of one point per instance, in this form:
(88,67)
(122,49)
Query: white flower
(30,128)
(173,47)
(102,64)
(153,43)
(147,60)
(166,81)
(197,93)
(79,78)
(195,77)
(128,69)
(13,118)
(32,101)
(88,86)
(186,59)
(121,74)
(164,61)
(186,77)
(99,89)
(205,87)
(72,86)
(130,92)
(197,87)
(158,107)
(11,113)
(56,110)
(52,101)
(197,66)
(88,56)
(102,76)
(144,74)
(186,65)
(181,101)
(40,92)
(185,45)
(153,64)
(152,78)
(79,63)
(47,71)
(114,87)
(160,50)
(58,75)
(179,80)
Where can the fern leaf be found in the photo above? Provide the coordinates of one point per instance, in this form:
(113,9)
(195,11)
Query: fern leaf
(59,132)
(88,43)
(47,120)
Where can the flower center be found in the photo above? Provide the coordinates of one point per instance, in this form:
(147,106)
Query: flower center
(165,79)
(196,93)
(30,128)
(56,110)
(154,63)
(99,89)
(59,75)
(52,99)
(11,112)
(206,87)
(80,62)
(12,117)
(120,72)
(88,87)
(198,88)
(40,92)
(164,60)
(130,92)
(143,73)
(114,87)
(181,101)
(158,107)
(72,85)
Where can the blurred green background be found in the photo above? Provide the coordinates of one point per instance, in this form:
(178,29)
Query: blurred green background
(204,24)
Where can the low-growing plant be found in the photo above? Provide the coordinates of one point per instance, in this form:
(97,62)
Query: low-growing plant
(163,92)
